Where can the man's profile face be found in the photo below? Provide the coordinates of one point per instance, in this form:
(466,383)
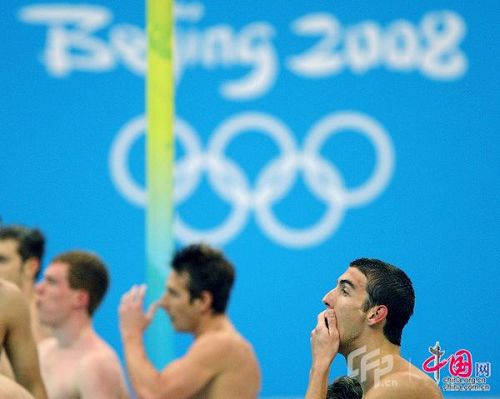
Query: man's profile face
(11,263)
(347,299)
(184,313)
(54,295)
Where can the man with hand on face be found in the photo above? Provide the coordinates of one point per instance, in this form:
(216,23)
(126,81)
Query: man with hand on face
(220,364)
(366,314)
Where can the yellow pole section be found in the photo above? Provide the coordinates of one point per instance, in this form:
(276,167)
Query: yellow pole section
(160,170)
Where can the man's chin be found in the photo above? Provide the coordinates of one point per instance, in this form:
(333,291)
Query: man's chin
(47,324)
(175,325)
(345,348)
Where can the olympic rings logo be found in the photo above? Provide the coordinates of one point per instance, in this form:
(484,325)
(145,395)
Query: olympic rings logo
(229,182)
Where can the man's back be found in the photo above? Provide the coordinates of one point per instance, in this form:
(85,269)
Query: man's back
(88,368)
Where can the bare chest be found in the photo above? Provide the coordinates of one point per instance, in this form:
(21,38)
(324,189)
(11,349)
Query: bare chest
(60,375)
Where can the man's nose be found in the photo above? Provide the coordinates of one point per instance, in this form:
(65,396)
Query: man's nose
(39,287)
(328,299)
(163,302)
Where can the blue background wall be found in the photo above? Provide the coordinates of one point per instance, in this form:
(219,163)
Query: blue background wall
(420,77)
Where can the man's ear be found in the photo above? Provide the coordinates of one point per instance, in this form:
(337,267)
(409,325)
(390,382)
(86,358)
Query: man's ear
(377,314)
(82,298)
(31,267)
(206,299)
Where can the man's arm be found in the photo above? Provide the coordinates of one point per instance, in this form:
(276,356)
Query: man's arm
(20,345)
(181,378)
(324,348)
(11,389)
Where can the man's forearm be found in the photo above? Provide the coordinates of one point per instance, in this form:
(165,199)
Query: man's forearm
(144,377)
(318,383)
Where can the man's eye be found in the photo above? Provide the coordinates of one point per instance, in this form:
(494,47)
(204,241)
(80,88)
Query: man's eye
(344,291)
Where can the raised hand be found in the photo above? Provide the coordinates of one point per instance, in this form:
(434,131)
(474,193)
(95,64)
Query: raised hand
(325,339)
(133,319)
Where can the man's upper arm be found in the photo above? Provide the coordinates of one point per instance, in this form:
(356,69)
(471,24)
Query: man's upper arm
(20,345)
(11,389)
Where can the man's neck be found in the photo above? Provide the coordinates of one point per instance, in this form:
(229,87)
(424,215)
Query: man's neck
(28,290)
(73,332)
(372,359)
(212,323)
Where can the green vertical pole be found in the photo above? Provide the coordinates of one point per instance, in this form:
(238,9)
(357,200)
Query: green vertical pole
(160,170)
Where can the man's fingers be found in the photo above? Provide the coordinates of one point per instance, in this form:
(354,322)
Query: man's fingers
(330,319)
(151,311)
(135,295)
(321,319)
(141,291)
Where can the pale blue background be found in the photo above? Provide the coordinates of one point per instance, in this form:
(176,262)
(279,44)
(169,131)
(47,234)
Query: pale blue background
(438,217)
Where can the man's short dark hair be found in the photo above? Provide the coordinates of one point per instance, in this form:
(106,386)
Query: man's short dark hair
(390,286)
(344,388)
(86,271)
(208,270)
(31,242)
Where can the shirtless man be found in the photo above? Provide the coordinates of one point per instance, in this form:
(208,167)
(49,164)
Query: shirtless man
(366,314)
(21,252)
(16,338)
(220,364)
(76,362)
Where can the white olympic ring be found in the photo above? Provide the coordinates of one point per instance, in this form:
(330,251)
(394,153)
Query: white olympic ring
(277,178)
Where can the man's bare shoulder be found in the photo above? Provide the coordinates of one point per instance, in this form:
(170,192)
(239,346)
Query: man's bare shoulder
(10,389)
(405,385)
(222,348)
(100,366)
(5,285)
(95,354)
(87,353)
(227,341)
(231,362)
(12,303)
(9,294)
(103,364)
